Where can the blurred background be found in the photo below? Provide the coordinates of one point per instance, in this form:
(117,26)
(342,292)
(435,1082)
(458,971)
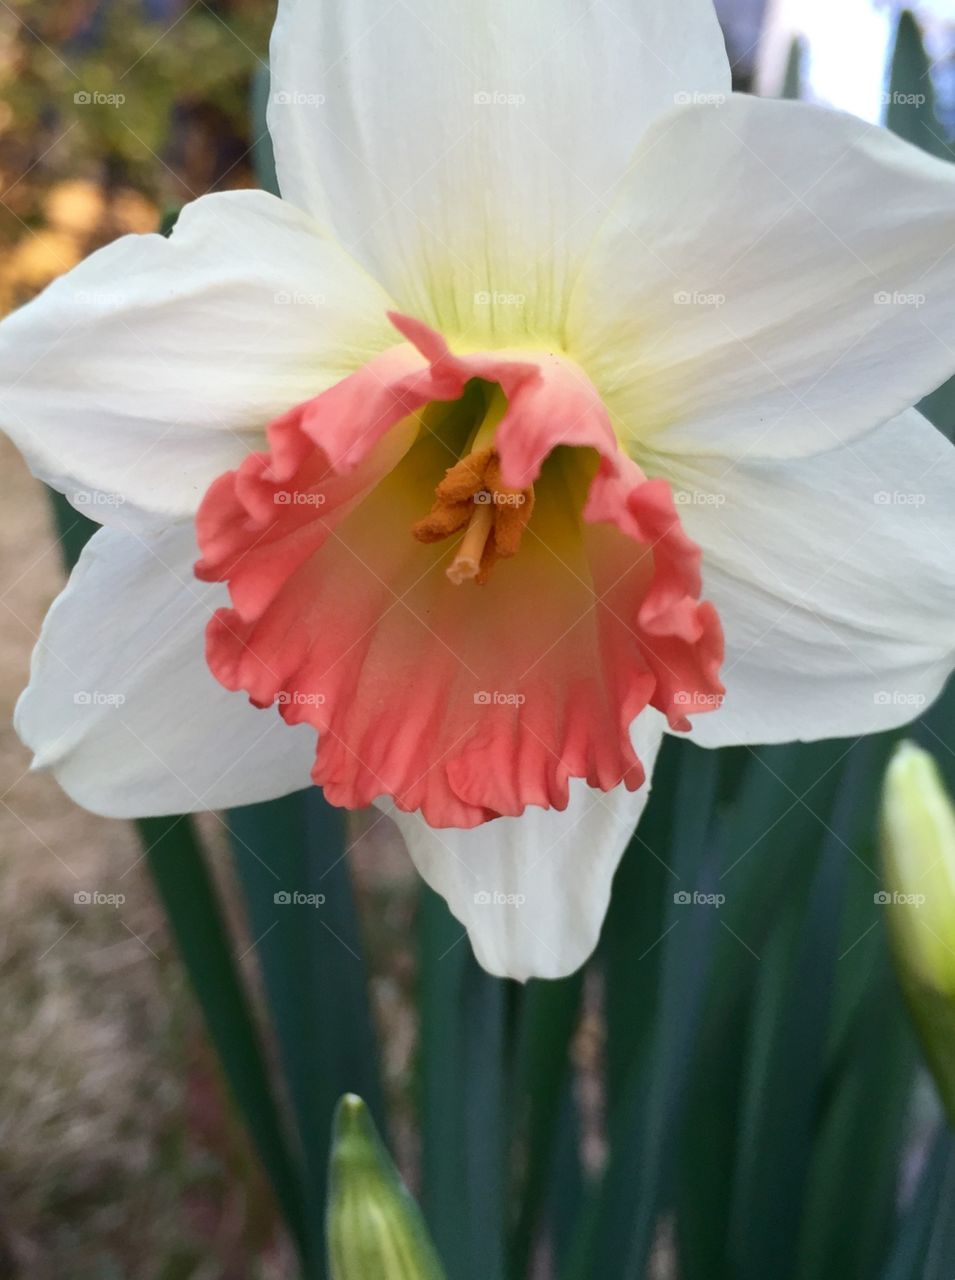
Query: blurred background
(120,1155)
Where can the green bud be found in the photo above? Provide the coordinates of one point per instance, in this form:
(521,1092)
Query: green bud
(918,857)
(375,1229)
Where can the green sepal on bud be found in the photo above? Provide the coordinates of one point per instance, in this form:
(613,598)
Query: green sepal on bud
(918,859)
(375,1228)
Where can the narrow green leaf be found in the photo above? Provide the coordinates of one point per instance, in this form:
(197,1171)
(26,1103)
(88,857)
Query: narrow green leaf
(189,897)
(73,529)
(567,1187)
(928,1216)
(779,811)
(548,1018)
(790,1040)
(851,1206)
(263,156)
(618,1233)
(792,80)
(290,858)
(911,107)
(912,115)
(630,957)
(464,1094)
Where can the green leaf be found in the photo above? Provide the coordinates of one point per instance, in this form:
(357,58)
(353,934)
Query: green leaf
(912,115)
(464,1095)
(548,1017)
(793,78)
(911,110)
(291,863)
(619,1231)
(851,1206)
(189,897)
(263,156)
(73,529)
(920,1247)
(778,813)
(790,1037)
(629,952)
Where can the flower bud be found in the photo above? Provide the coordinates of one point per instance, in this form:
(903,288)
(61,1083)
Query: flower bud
(918,857)
(375,1229)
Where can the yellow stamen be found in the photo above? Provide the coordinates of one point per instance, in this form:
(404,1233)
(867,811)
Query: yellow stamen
(467,563)
(471,497)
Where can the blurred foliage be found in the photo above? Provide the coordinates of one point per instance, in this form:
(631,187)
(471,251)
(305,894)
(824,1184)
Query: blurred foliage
(118,83)
(112,111)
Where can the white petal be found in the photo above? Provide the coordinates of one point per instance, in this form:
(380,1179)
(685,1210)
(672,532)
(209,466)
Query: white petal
(777,278)
(470,147)
(136,379)
(835,580)
(121,706)
(532,892)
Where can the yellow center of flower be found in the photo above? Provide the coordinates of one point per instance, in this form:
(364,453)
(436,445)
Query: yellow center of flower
(472,498)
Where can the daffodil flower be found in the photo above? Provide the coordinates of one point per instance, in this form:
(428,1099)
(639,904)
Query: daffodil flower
(556,364)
